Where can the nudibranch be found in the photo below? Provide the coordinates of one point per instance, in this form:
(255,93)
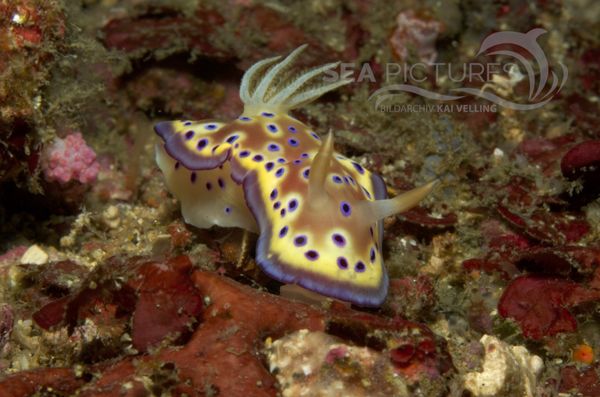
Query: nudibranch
(318,214)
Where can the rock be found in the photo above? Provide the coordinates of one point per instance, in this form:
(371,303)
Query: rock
(34,256)
(111,216)
(507,371)
(320,365)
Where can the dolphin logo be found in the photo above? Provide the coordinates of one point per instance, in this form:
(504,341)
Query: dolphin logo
(537,84)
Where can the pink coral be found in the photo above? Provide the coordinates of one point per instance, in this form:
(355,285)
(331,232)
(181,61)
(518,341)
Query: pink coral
(70,159)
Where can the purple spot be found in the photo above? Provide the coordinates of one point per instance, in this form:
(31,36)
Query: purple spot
(300,241)
(210,127)
(315,136)
(306,173)
(258,158)
(358,167)
(244,118)
(277,205)
(280,172)
(177,165)
(193,177)
(273,147)
(372,255)
(342,263)
(283,231)
(273,194)
(189,135)
(345,208)
(293,142)
(187,123)
(338,240)
(292,129)
(304,155)
(282,212)
(267,114)
(292,205)
(336,179)
(272,128)
(346,180)
(281,160)
(366,192)
(237,145)
(232,138)
(311,255)
(227,210)
(359,267)
(269,166)
(221,183)
(202,144)
(208,185)
(297,161)
(244,153)
(214,149)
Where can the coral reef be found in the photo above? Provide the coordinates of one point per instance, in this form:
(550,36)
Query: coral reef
(104,290)
(507,370)
(70,159)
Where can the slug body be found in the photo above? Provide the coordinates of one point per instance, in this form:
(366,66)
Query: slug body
(318,214)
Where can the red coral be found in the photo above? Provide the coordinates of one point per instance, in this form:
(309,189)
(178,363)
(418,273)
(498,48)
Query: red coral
(62,381)
(581,382)
(411,296)
(430,358)
(582,162)
(537,304)
(561,278)
(161,29)
(503,250)
(546,152)
(543,226)
(540,304)
(418,353)
(167,305)
(581,159)
(571,262)
(160,295)
(222,355)
(180,235)
(589,74)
